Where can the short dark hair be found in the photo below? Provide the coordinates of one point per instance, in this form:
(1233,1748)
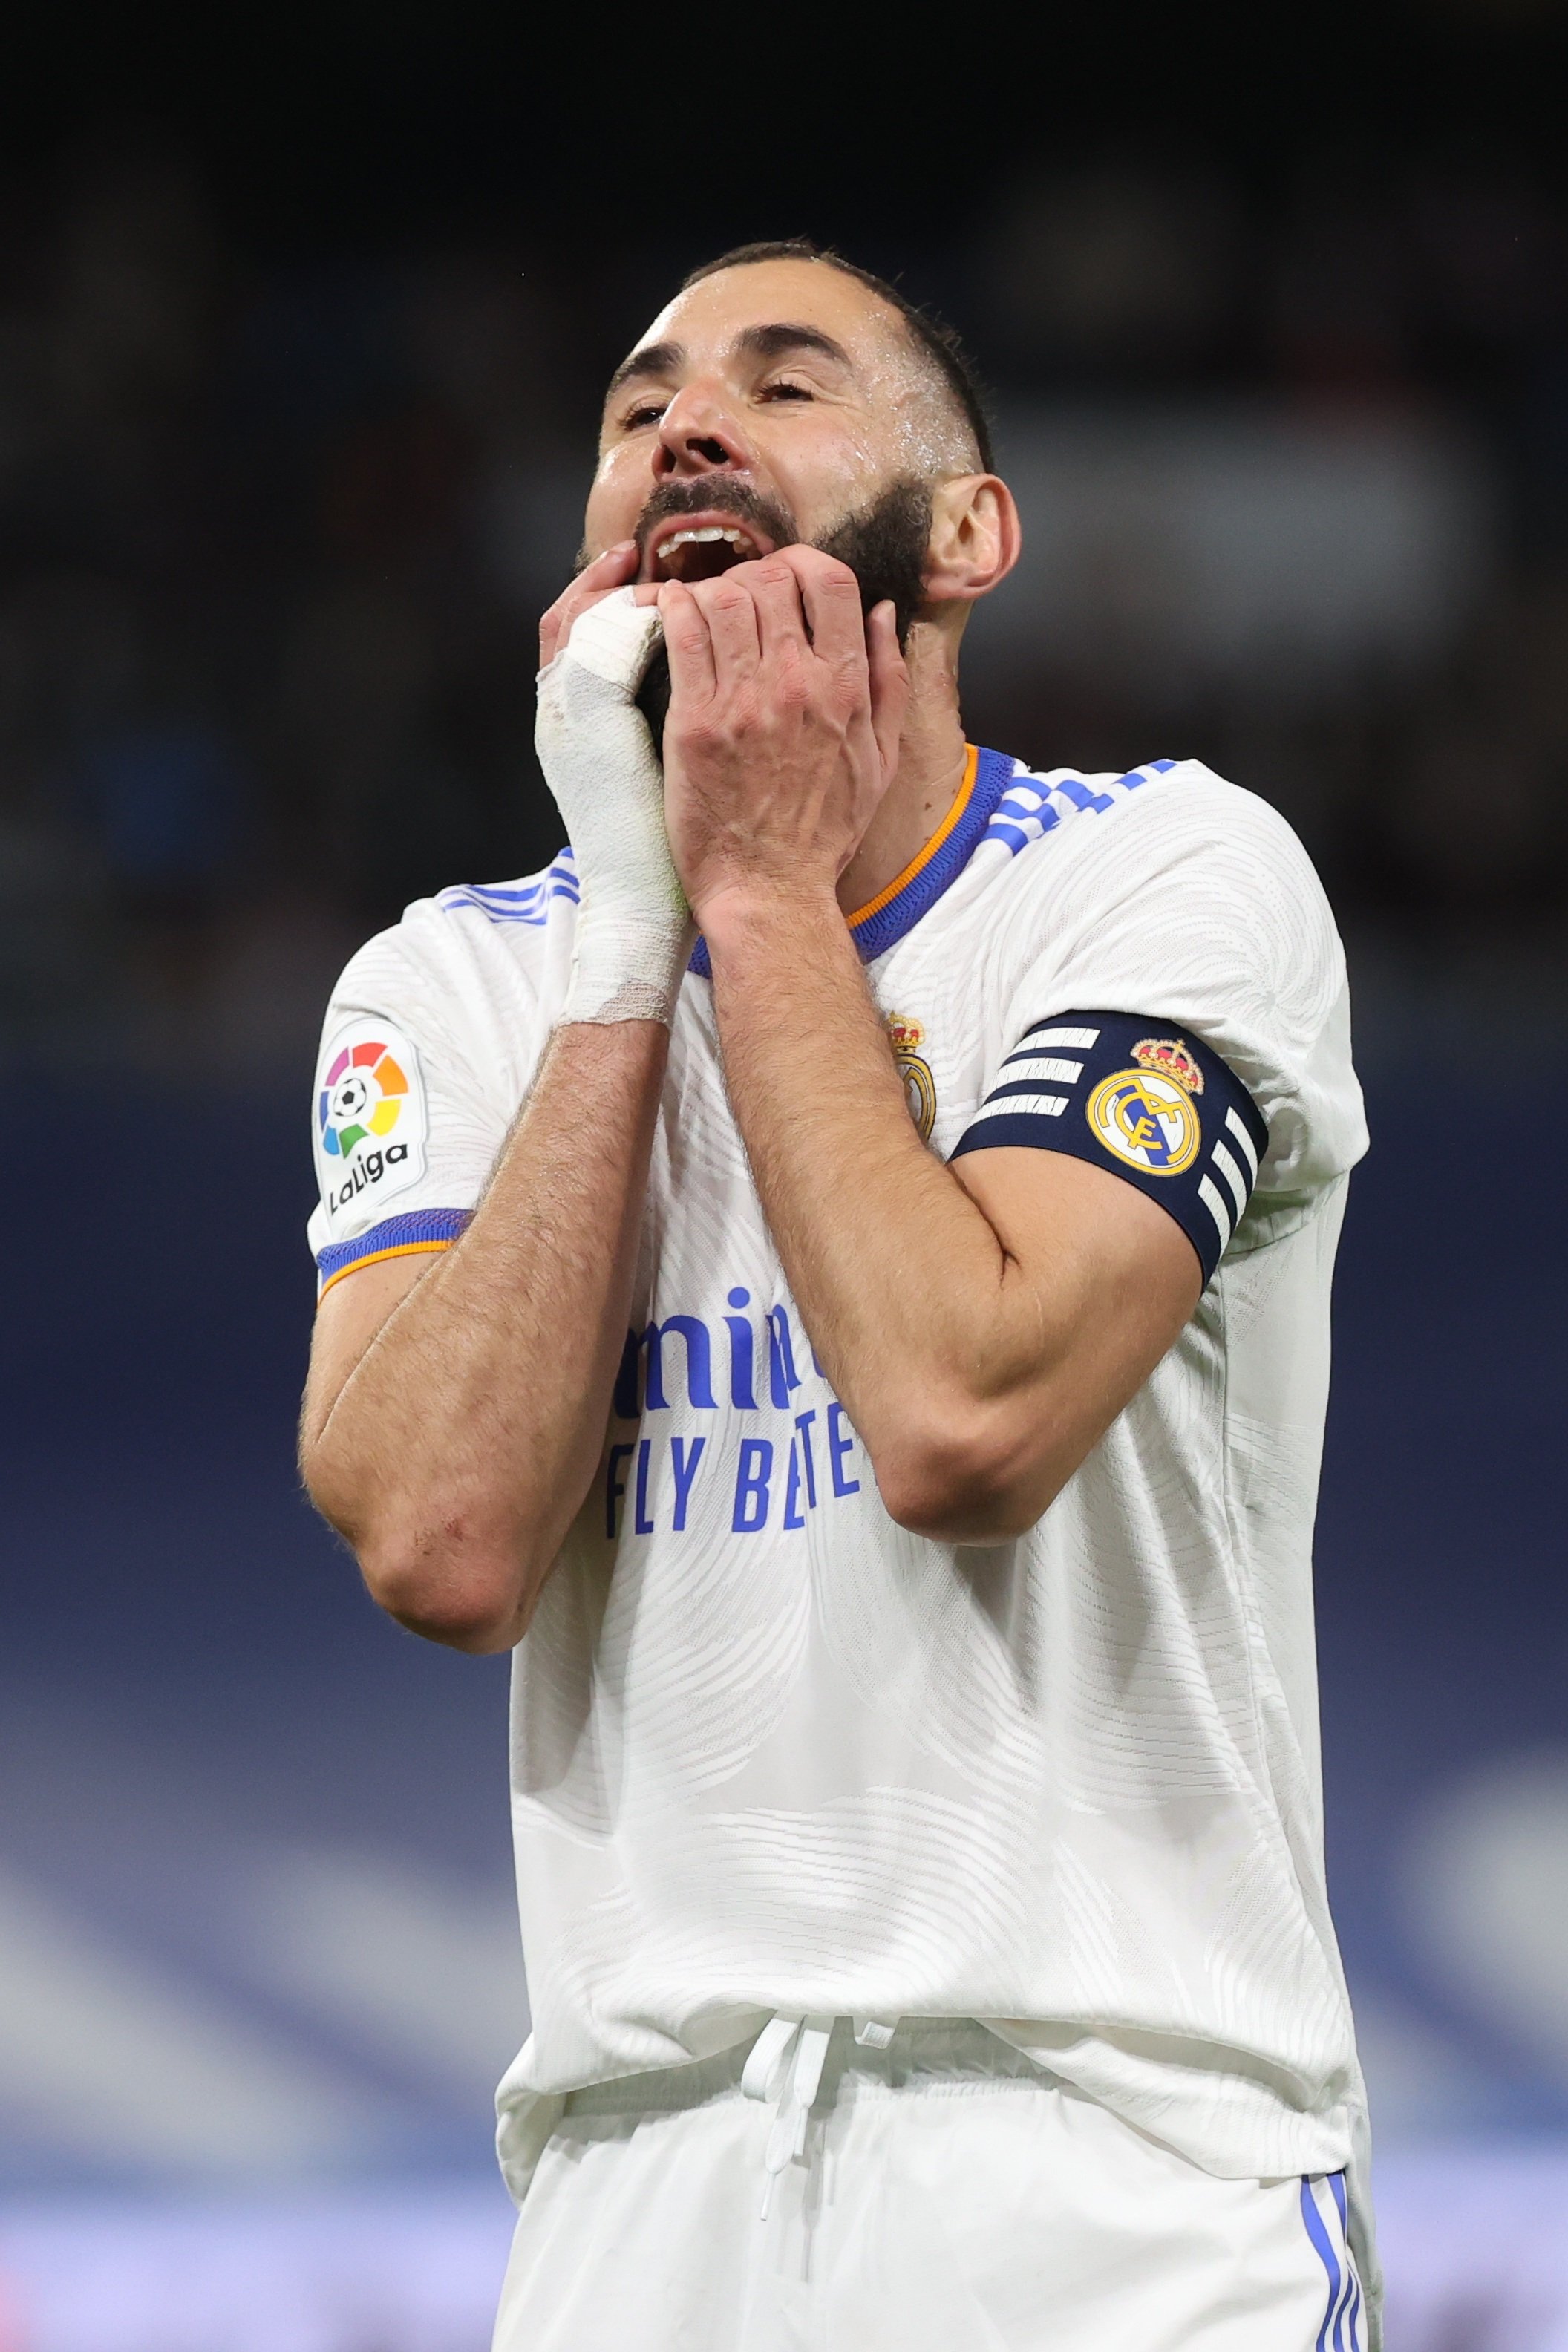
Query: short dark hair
(932,336)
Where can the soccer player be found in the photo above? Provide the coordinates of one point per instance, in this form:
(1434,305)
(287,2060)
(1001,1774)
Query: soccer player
(834,1273)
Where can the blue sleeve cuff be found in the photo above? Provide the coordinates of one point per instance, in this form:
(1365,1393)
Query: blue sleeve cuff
(414,1235)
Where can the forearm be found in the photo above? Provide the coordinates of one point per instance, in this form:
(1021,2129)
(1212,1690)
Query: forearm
(458,1449)
(926,1323)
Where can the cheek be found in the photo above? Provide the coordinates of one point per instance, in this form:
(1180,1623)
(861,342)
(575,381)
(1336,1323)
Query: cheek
(822,477)
(913,443)
(618,495)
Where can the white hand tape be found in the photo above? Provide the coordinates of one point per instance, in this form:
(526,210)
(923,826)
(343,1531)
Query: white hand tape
(633,928)
(616,640)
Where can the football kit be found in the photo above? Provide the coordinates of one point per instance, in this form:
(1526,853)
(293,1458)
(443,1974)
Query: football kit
(797,1793)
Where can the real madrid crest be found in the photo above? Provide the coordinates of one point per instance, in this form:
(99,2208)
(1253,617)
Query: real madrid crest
(1148,1117)
(906,1038)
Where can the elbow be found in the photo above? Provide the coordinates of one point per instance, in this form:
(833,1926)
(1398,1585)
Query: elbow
(968,1475)
(440,1576)
(464,1595)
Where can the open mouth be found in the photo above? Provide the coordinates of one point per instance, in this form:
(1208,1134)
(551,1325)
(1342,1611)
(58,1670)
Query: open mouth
(700,546)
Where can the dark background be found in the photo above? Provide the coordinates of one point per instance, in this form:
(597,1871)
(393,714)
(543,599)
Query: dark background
(304,322)
(305,325)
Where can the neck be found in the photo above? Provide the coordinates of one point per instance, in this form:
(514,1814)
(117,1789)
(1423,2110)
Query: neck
(931,754)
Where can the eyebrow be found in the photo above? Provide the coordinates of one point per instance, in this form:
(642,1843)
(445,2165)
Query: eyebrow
(772,342)
(767,342)
(654,359)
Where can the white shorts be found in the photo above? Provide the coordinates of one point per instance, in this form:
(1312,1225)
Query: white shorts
(949,2197)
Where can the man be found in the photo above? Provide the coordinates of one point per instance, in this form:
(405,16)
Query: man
(871,1365)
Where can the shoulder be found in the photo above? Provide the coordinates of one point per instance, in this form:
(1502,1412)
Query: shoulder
(472,949)
(1174,894)
(1171,849)
(527,904)
(1137,825)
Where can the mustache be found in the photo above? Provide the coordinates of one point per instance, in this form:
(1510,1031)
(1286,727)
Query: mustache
(718,492)
(884,543)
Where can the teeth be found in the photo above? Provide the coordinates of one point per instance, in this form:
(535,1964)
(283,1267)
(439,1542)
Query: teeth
(704,537)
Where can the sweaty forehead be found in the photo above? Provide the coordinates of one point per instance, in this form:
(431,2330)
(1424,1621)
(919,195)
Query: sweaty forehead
(706,318)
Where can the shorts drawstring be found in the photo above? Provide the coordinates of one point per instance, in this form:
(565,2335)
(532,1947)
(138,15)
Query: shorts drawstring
(784,2065)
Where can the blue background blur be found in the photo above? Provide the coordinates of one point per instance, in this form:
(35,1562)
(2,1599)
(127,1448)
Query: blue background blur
(301,344)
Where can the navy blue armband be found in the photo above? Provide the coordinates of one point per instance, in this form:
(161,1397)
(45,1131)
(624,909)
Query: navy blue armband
(1153,1104)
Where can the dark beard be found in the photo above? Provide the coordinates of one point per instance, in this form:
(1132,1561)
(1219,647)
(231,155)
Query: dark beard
(884,544)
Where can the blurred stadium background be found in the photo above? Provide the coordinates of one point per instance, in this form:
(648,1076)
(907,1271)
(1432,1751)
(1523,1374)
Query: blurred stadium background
(302,325)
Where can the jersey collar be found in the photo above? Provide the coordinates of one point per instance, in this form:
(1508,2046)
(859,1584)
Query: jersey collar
(893,913)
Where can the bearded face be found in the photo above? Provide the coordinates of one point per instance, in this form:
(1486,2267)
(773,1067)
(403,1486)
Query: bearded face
(883,542)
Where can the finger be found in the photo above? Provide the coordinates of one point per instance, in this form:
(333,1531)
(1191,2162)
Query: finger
(729,609)
(781,620)
(687,643)
(601,578)
(889,685)
(830,595)
(642,593)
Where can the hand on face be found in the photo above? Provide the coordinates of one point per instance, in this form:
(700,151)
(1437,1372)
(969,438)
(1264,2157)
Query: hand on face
(596,581)
(782,734)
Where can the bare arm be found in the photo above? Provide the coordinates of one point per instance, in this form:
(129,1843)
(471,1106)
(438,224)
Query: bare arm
(454,1416)
(983,1328)
(983,1323)
(456,1407)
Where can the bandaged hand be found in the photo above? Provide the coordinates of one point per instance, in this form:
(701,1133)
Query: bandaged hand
(634,928)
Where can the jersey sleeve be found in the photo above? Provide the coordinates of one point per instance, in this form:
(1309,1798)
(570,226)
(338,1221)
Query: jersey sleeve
(411,1103)
(1182,1017)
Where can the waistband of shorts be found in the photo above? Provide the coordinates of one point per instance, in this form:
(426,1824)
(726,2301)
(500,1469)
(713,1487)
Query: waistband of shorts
(925,2052)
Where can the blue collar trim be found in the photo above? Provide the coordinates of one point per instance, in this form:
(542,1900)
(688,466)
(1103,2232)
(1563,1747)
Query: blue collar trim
(875,934)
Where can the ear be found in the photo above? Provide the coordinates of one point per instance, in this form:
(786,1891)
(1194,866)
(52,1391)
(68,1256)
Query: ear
(975,538)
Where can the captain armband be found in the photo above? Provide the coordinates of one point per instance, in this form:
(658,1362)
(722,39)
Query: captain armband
(1131,1093)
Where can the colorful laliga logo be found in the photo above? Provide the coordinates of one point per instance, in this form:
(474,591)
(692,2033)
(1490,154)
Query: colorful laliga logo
(361,1096)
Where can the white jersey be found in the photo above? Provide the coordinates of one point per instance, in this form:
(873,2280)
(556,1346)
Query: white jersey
(771,1752)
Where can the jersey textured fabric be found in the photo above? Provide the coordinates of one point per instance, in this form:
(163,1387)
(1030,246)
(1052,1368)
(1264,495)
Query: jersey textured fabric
(952,2200)
(771,1752)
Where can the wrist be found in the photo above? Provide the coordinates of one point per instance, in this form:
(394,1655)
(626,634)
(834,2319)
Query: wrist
(751,915)
(627,966)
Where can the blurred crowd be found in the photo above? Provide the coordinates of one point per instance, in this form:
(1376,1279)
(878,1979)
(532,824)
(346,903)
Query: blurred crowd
(274,534)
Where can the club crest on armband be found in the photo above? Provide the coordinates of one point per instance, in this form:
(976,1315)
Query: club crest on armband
(907,1037)
(1172,1056)
(1147,1116)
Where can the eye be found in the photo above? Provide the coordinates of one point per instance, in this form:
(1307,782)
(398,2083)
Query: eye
(646,412)
(785,390)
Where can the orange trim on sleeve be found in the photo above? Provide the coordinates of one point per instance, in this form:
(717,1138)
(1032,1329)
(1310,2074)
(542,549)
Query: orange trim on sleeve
(916,865)
(374,1257)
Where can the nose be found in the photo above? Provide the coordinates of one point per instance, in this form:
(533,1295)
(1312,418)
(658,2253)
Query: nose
(699,434)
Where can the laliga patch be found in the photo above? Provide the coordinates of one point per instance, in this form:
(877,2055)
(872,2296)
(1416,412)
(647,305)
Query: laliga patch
(1152,1104)
(371,1123)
